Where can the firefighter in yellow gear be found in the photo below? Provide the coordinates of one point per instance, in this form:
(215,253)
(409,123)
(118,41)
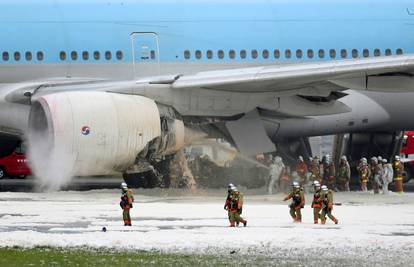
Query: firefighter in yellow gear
(317,201)
(363,172)
(234,206)
(126,204)
(298,202)
(327,205)
(398,174)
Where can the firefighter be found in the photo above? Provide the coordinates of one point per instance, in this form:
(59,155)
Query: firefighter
(316,170)
(234,206)
(363,171)
(344,175)
(398,174)
(329,172)
(298,202)
(302,170)
(387,175)
(126,203)
(327,205)
(376,174)
(317,201)
(275,171)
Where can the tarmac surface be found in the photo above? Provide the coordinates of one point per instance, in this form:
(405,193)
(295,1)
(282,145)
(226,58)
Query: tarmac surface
(374,230)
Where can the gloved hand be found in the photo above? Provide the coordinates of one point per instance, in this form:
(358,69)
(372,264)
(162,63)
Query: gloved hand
(225,207)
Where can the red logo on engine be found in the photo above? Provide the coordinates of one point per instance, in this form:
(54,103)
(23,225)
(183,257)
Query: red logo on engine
(86,130)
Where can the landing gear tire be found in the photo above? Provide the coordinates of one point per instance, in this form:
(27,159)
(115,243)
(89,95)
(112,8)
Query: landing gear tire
(408,174)
(2,173)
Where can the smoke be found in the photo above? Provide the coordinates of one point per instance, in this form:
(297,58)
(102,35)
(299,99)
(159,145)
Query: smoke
(51,162)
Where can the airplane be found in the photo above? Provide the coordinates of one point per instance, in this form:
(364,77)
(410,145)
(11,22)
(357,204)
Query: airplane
(117,85)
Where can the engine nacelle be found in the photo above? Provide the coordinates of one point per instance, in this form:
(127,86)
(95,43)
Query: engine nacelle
(91,133)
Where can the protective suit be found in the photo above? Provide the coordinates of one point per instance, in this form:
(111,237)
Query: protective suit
(387,175)
(315,169)
(363,172)
(317,201)
(328,172)
(298,202)
(126,204)
(302,170)
(344,175)
(234,204)
(275,171)
(398,174)
(376,174)
(327,205)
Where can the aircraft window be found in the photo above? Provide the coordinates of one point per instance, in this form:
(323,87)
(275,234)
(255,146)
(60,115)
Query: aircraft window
(232,54)
(265,53)
(254,53)
(332,53)
(288,53)
(28,56)
(85,55)
(209,54)
(276,53)
(96,55)
(5,56)
(399,51)
(344,53)
(321,53)
(62,55)
(243,54)
(152,54)
(16,56)
(74,55)
(221,54)
(198,54)
(108,55)
(365,53)
(120,55)
(187,54)
(299,53)
(377,52)
(40,56)
(310,53)
(354,53)
(388,52)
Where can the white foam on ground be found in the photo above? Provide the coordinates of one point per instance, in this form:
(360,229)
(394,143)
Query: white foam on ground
(199,224)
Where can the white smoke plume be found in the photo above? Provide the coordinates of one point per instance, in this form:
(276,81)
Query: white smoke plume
(51,163)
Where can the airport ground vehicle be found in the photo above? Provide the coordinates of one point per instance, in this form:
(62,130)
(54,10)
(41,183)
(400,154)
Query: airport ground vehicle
(15,164)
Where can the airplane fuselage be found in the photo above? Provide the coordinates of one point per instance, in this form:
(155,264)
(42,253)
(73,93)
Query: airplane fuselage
(127,40)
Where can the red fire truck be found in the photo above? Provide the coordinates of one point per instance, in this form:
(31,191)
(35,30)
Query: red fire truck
(15,164)
(407,152)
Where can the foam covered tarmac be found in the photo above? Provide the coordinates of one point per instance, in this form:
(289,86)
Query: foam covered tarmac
(375,230)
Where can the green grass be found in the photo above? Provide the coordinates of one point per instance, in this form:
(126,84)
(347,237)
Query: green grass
(94,257)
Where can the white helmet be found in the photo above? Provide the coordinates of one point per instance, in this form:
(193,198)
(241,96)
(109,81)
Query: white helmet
(343,157)
(124,186)
(234,189)
(379,158)
(300,158)
(316,183)
(397,158)
(278,159)
(295,185)
(324,188)
(384,160)
(374,159)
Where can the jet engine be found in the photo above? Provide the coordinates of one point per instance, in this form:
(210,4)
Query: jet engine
(99,133)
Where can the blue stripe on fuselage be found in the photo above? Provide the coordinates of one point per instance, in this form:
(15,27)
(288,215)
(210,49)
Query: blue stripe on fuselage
(92,25)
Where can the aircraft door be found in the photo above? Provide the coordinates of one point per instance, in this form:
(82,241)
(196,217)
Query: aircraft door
(145,54)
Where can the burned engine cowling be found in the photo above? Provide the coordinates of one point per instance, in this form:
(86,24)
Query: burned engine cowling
(90,133)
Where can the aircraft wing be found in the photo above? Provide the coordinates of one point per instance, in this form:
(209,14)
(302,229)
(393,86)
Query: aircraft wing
(360,73)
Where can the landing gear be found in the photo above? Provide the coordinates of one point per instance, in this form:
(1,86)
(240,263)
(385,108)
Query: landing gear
(2,173)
